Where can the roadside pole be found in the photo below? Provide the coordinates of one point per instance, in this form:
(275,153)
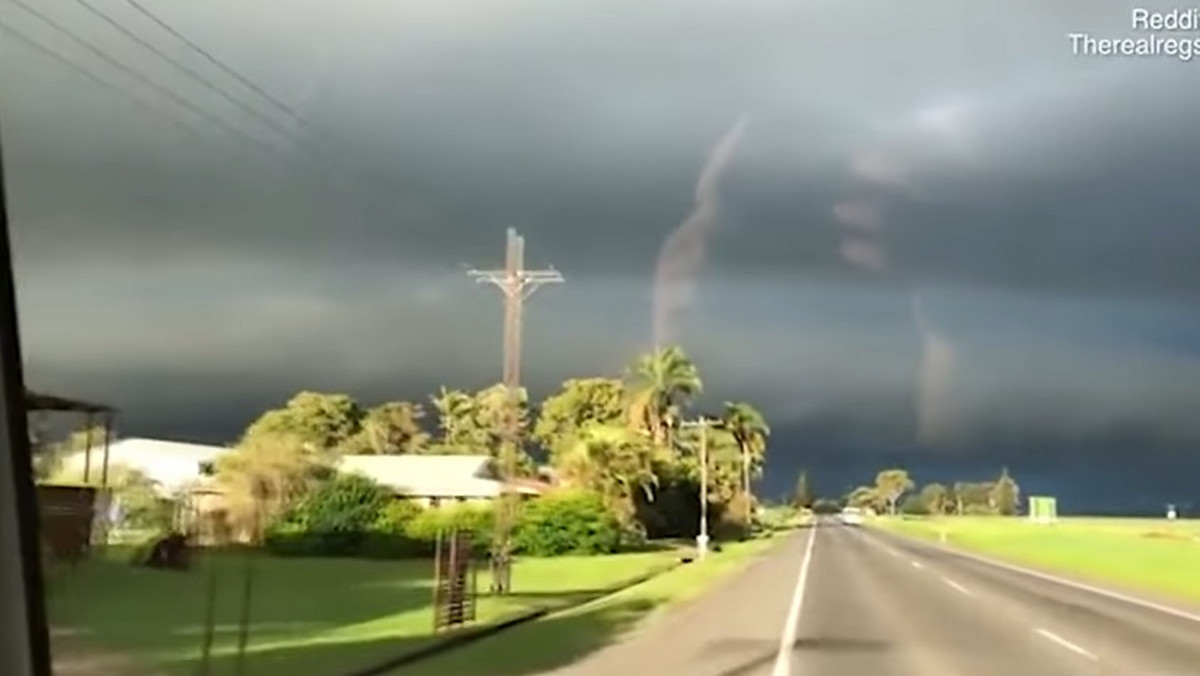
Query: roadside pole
(703,423)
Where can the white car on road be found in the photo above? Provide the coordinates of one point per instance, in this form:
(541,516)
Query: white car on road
(851,516)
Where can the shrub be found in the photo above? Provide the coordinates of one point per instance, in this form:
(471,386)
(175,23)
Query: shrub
(914,505)
(479,519)
(728,521)
(331,521)
(777,518)
(567,522)
(396,517)
(388,537)
(346,504)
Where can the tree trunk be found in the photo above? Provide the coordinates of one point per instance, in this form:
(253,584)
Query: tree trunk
(746,486)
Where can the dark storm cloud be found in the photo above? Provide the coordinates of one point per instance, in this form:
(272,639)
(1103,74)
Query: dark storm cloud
(586,128)
(195,282)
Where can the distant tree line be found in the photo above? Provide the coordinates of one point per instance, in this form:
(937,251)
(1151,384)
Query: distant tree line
(895,492)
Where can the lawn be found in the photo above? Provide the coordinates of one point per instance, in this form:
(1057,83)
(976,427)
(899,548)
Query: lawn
(343,613)
(562,638)
(1154,556)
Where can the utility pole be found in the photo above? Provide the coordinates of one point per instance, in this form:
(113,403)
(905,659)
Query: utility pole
(703,424)
(517,284)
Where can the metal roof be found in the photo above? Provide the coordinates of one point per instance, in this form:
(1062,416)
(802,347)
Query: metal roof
(35,401)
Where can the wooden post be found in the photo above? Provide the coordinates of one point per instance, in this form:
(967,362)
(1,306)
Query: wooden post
(437,582)
(210,620)
(108,423)
(87,448)
(452,582)
(248,585)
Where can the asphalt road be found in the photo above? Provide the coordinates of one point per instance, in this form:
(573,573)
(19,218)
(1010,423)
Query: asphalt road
(844,601)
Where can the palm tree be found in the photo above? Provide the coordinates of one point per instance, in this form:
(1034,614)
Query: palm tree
(393,428)
(456,412)
(750,431)
(660,384)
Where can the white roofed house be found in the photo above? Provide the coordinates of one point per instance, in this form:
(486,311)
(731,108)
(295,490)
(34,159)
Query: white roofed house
(431,480)
(174,467)
(184,472)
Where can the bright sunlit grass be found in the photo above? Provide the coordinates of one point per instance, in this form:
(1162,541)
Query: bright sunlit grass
(563,638)
(1155,556)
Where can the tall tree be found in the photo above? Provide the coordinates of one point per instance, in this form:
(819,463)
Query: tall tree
(660,384)
(612,460)
(1005,495)
(750,431)
(392,428)
(323,421)
(973,496)
(865,497)
(492,408)
(579,403)
(267,473)
(458,422)
(802,495)
(891,485)
(935,498)
(724,462)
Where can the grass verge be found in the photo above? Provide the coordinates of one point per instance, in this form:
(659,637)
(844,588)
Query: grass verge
(562,638)
(1152,556)
(308,616)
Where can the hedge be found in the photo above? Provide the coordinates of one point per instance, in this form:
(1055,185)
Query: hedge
(568,522)
(352,516)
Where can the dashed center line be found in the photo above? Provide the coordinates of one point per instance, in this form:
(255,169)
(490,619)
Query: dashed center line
(957,587)
(1051,636)
(917,564)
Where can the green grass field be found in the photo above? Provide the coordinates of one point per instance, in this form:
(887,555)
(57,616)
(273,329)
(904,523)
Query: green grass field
(316,617)
(1153,556)
(562,638)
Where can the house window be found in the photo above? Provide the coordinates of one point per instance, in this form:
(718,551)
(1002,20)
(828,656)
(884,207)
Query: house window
(208,468)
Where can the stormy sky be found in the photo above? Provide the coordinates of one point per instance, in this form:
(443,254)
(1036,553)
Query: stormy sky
(194,253)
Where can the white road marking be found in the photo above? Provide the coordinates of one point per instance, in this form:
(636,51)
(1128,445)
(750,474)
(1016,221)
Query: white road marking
(957,587)
(787,640)
(1066,644)
(1133,600)
(916,564)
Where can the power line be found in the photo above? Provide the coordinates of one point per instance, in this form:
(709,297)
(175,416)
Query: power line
(322,143)
(140,77)
(209,84)
(214,60)
(66,61)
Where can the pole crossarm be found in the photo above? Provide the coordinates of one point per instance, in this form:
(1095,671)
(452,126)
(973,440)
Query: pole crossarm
(712,422)
(524,283)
